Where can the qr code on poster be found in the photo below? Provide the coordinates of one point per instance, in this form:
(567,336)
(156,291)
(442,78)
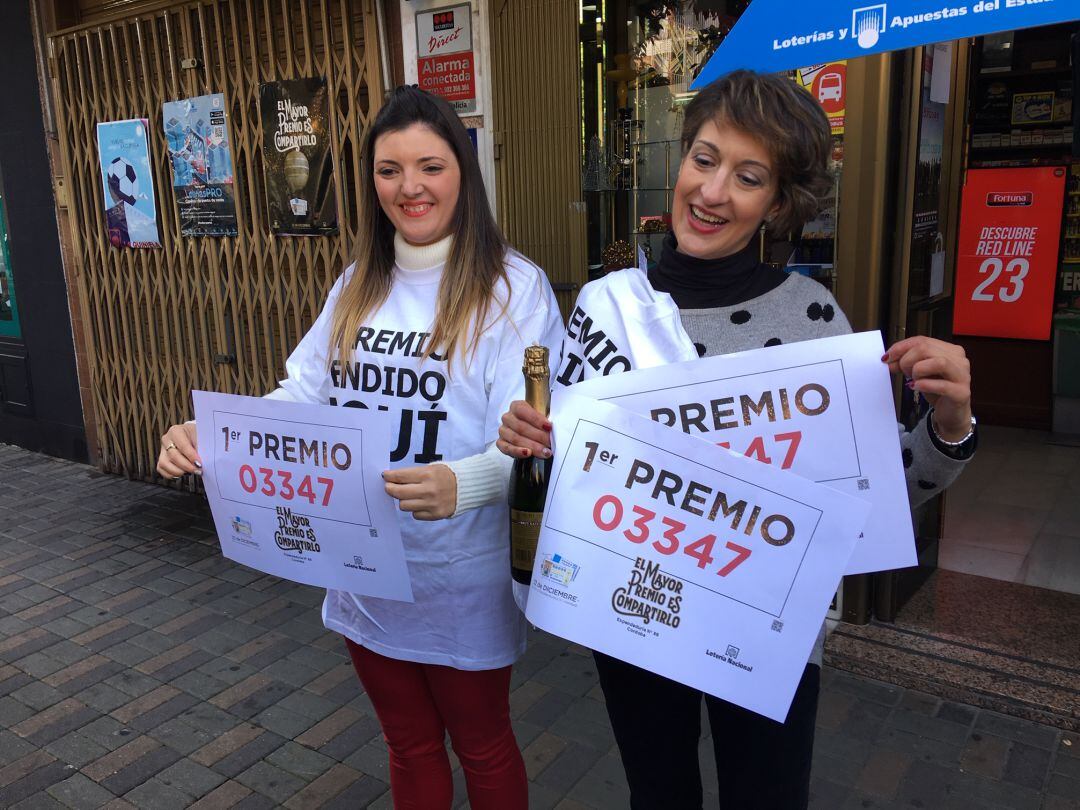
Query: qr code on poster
(777,625)
(864,484)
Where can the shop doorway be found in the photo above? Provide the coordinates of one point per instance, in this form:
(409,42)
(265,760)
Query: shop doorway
(1014,516)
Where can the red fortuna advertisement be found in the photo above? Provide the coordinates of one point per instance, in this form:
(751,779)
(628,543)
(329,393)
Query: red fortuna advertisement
(1010,226)
(444,56)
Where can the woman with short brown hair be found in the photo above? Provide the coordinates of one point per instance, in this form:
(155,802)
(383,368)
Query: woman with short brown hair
(755,151)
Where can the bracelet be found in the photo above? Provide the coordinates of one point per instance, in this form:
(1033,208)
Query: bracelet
(967,438)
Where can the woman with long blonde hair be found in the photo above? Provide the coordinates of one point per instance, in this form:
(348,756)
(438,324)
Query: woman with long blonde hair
(430,324)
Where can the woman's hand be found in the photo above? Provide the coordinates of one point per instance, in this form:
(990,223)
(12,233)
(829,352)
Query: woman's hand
(178,452)
(941,372)
(524,432)
(429,492)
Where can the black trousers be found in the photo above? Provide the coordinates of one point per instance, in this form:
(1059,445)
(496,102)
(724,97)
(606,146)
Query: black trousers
(762,764)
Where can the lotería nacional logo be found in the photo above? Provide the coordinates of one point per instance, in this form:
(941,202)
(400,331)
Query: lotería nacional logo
(868,24)
(558,568)
(650,595)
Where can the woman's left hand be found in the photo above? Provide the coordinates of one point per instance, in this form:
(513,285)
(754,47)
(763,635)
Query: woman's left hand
(941,372)
(429,492)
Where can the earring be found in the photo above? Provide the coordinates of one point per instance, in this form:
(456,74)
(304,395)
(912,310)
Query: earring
(761,242)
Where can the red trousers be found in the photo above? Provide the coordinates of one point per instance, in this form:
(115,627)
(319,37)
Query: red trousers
(417,704)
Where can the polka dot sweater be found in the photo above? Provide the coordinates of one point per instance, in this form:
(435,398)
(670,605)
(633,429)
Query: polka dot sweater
(801,309)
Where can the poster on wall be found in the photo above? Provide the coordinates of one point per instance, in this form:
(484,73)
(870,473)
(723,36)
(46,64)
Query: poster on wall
(1007,258)
(445,63)
(296,157)
(828,84)
(128,184)
(198,142)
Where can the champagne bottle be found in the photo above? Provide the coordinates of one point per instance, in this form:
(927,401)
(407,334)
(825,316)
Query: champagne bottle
(529,477)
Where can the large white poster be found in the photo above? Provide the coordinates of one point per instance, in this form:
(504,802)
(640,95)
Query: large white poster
(822,409)
(296,491)
(694,563)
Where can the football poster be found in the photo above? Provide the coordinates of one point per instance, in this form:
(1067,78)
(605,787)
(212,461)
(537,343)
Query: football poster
(296,157)
(128,184)
(197,136)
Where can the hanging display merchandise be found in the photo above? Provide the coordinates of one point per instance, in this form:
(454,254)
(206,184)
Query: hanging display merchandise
(298,165)
(128,184)
(198,141)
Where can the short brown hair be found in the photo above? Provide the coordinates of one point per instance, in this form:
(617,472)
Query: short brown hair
(787,121)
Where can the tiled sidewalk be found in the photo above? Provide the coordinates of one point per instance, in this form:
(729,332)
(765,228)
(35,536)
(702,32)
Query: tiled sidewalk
(138,668)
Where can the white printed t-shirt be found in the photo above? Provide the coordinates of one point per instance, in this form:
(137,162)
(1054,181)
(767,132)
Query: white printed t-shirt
(464,614)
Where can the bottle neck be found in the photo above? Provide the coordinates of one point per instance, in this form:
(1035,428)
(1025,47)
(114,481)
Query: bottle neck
(537,393)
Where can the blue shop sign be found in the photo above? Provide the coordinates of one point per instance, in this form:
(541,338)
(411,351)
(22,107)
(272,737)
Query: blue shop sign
(776,35)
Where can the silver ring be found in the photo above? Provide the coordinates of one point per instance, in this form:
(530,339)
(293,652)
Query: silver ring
(170,447)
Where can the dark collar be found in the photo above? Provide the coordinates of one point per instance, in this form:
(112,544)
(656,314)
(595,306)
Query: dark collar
(696,283)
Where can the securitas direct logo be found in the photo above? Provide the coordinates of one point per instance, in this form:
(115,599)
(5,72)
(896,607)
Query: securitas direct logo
(443,21)
(999,198)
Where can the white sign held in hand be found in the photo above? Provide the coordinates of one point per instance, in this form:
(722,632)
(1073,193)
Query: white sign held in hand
(822,409)
(702,566)
(296,491)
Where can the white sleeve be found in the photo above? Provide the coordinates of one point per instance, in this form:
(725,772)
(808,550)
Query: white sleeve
(481,479)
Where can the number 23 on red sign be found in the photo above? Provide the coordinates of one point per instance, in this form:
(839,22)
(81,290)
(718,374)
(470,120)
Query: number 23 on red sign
(608,516)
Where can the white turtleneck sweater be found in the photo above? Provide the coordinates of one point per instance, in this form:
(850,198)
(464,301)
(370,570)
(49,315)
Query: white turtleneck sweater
(464,614)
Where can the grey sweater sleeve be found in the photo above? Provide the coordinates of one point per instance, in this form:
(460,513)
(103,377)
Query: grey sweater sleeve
(927,470)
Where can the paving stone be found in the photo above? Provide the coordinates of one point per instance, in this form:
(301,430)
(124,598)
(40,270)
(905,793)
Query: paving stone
(985,755)
(242,758)
(181,736)
(15,682)
(154,794)
(309,705)
(300,761)
(136,773)
(80,793)
(133,683)
(199,684)
(190,777)
(363,792)
(569,766)
(1019,730)
(34,781)
(76,749)
(103,697)
(283,722)
(924,749)
(13,748)
(39,665)
(228,795)
(1027,766)
(371,759)
(274,783)
(107,733)
(38,696)
(38,801)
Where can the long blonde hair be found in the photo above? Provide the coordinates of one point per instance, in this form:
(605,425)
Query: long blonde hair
(477,256)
